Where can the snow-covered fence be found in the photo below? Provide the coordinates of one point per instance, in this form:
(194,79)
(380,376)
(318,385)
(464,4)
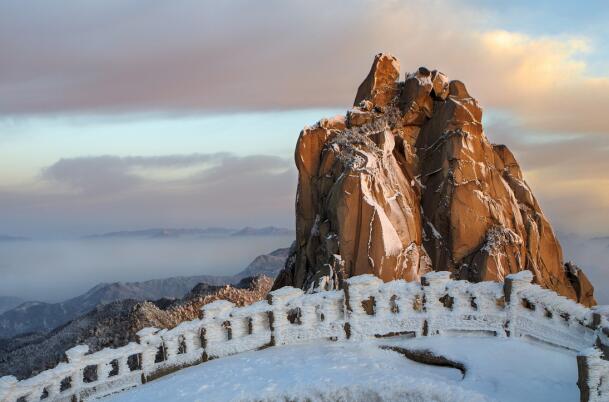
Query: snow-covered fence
(460,306)
(593,363)
(227,329)
(540,313)
(298,317)
(374,308)
(367,307)
(109,370)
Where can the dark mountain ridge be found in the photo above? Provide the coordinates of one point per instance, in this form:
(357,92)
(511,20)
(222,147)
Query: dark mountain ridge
(115,324)
(9,302)
(169,233)
(41,317)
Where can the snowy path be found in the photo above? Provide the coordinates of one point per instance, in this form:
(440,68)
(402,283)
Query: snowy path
(498,369)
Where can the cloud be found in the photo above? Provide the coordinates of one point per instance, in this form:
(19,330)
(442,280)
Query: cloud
(567,173)
(105,174)
(544,81)
(193,56)
(233,167)
(92,194)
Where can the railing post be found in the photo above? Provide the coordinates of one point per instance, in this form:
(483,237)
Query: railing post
(172,345)
(213,315)
(76,356)
(278,315)
(123,365)
(359,289)
(150,340)
(434,287)
(249,327)
(190,338)
(53,389)
(513,284)
(360,299)
(103,371)
(7,386)
(593,375)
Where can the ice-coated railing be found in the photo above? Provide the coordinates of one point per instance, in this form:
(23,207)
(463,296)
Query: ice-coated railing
(366,308)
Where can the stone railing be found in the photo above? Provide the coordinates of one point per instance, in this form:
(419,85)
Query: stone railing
(366,308)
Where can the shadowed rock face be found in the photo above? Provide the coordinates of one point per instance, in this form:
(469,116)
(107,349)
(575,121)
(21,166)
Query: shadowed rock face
(406,183)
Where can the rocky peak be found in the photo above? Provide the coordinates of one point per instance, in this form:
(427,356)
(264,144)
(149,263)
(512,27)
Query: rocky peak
(407,182)
(380,86)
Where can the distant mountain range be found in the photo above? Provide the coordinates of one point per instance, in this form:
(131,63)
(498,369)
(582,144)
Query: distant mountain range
(4,238)
(172,233)
(117,323)
(35,316)
(267,231)
(265,264)
(165,233)
(603,240)
(9,302)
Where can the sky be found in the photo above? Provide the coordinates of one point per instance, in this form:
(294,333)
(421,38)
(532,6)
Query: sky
(130,114)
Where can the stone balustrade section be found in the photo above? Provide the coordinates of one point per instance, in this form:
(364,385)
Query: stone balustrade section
(366,307)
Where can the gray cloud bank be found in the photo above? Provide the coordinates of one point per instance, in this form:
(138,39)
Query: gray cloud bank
(134,55)
(569,175)
(92,194)
(201,56)
(104,174)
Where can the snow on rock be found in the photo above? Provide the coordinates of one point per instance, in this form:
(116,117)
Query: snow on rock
(463,203)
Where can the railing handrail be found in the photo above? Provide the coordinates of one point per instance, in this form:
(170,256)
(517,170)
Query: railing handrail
(366,307)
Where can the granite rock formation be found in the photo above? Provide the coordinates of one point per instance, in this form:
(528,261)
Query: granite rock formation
(407,182)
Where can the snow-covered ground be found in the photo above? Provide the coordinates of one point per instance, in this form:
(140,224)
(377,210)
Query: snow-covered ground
(497,369)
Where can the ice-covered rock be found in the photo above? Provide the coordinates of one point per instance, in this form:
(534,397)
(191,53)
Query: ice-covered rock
(406,183)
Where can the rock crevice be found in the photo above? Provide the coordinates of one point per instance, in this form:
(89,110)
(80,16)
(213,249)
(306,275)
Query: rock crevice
(406,183)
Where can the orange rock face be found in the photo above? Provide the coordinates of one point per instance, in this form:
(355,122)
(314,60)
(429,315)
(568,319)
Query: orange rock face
(406,183)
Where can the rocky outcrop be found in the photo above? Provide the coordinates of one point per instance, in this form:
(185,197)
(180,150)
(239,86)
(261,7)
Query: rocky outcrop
(247,292)
(406,183)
